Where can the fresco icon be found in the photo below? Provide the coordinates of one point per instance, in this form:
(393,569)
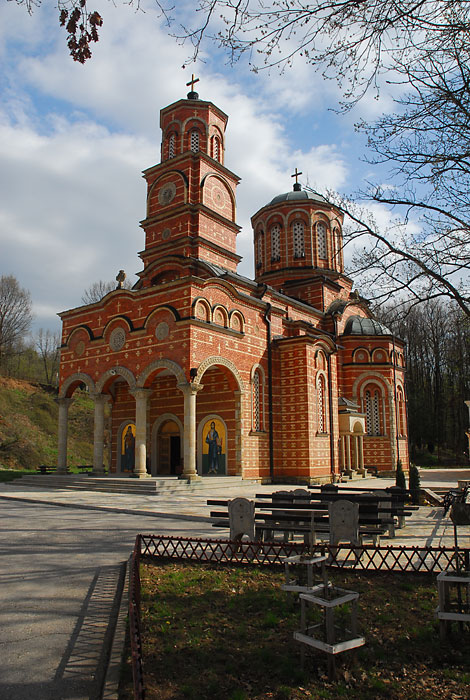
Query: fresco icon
(128,448)
(214,445)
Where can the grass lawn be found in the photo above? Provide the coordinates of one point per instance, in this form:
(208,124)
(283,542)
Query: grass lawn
(225,633)
(11,474)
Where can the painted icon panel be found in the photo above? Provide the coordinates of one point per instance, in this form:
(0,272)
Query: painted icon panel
(214,447)
(128,448)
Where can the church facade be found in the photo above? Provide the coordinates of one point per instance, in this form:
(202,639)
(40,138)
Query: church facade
(198,370)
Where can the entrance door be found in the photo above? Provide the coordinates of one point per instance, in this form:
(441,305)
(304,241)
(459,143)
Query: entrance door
(169,449)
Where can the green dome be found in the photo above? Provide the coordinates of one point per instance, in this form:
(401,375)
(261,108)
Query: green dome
(296,196)
(358,325)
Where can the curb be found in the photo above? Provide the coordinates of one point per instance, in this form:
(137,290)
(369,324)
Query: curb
(113,671)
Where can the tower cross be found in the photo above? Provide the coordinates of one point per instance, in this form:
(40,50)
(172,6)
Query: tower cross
(192,81)
(296,175)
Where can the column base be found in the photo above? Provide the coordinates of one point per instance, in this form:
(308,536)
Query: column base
(190,478)
(137,475)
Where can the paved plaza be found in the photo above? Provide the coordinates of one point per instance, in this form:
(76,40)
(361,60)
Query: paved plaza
(62,575)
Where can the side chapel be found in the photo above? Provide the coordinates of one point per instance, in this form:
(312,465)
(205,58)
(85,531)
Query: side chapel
(286,377)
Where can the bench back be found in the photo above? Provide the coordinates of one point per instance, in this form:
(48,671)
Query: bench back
(241,514)
(344,522)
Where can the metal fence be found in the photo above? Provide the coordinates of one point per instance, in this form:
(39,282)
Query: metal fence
(348,557)
(364,558)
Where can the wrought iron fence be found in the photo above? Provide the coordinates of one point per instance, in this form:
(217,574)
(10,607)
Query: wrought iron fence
(364,557)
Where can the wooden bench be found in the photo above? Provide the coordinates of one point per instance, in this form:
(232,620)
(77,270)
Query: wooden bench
(52,469)
(46,469)
(308,519)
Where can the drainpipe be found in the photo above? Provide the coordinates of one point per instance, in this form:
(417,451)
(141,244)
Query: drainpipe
(395,396)
(330,398)
(330,413)
(267,320)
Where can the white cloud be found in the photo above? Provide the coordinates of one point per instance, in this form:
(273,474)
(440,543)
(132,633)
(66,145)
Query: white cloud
(74,139)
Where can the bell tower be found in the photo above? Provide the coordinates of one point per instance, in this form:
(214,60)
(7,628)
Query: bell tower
(190,193)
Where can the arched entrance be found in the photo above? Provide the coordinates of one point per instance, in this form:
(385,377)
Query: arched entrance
(168,449)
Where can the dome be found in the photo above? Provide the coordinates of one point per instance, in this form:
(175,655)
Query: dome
(297,195)
(358,325)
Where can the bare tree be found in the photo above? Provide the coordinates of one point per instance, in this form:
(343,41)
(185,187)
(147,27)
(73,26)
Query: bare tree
(437,337)
(15,315)
(47,345)
(352,41)
(413,267)
(96,291)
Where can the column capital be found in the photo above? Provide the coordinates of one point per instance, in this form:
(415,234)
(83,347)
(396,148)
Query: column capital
(100,398)
(189,389)
(141,393)
(64,401)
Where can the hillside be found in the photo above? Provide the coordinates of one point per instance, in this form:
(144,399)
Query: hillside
(28,426)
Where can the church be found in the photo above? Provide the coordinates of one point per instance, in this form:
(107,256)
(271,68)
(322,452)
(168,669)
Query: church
(198,370)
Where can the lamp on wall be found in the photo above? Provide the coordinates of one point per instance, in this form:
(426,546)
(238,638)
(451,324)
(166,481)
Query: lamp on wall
(193,373)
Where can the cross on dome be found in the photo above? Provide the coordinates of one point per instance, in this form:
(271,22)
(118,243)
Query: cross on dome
(297,186)
(192,95)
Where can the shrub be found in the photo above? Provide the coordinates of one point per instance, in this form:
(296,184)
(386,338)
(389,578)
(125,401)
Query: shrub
(400,476)
(415,484)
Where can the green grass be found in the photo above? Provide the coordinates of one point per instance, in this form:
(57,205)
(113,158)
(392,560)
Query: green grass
(221,632)
(11,474)
(28,427)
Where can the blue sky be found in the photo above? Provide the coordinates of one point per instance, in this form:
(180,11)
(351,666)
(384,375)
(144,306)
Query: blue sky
(75,138)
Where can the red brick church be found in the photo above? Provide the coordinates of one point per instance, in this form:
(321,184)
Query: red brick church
(198,370)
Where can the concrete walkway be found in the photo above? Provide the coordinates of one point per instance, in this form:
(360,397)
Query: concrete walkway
(425,527)
(63,557)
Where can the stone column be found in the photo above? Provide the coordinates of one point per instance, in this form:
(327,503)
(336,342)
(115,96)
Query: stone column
(360,443)
(62,438)
(189,393)
(98,436)
(238,435)
(342,460)
(141,397)
(348,453)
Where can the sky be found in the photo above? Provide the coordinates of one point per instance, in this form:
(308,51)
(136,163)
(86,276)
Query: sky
(75,138)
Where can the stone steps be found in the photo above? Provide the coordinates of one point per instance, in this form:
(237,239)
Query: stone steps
(144,487)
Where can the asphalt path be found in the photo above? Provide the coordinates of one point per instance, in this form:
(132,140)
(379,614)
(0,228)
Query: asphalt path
(61,575)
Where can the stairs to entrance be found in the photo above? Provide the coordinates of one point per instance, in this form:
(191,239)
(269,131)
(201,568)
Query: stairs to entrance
(144,487)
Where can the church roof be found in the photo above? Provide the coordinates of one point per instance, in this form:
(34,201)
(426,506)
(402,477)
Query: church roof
(297,195)
(358,325)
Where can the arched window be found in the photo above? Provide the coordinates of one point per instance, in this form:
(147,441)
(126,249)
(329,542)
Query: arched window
(276,242)
(337,240)
(298,235)
(194,141)
(321,405)
(215,148)
(259,250)
(172,146)
(401,414)
(321,237)
(258,401)
(373,410)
